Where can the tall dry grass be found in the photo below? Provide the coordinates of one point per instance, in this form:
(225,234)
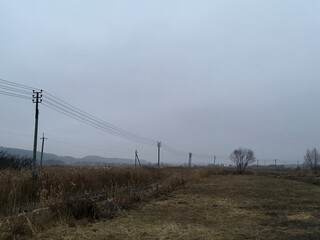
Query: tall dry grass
(63,194)
(19,193)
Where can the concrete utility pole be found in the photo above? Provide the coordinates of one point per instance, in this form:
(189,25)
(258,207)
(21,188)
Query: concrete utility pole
(43,138)
(190,159)
(159,146)
(36,99)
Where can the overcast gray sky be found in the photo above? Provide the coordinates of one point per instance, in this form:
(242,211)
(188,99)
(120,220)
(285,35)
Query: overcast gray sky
(200,76)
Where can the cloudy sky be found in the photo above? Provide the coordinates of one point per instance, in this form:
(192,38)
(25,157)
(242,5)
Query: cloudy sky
(201,76)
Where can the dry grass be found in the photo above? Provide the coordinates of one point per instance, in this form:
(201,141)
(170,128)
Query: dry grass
(262,204)
(219,207)
(61,194)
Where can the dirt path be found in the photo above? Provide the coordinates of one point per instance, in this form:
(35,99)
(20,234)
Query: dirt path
(221,207)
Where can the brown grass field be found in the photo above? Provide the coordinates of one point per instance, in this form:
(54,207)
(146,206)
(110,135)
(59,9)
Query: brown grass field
(186,204)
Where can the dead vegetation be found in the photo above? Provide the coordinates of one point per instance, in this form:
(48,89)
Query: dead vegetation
(219,207)
(62,194)
(71,195)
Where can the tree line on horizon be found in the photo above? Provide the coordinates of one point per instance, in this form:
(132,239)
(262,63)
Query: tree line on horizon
(243,157)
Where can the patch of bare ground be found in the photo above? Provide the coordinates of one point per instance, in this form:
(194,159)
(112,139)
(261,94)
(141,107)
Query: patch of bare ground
(219,207)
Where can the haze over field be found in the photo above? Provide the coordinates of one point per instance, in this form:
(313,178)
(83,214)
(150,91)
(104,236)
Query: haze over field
(200,76)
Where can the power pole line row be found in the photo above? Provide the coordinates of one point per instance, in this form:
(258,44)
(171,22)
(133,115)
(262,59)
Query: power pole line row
(22,91)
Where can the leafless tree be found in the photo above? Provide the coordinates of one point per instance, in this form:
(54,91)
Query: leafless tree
(13,161)
(312,159)
(242,157)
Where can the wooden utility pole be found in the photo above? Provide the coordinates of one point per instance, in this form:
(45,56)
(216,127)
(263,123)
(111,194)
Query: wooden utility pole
(159,146)
(190,157)
(36,99)
(43,138)
(136,159)
(315,161)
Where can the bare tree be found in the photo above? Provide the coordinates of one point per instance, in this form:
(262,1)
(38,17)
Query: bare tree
(312,159)
(242,157)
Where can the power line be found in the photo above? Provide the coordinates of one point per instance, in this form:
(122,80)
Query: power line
(70,109)
(174,151)
(66,113)
(90,120)
(204,156)
(72,142)
(14,95)
(3,81)
(61,106)
(18,134)
(93,123)
(16,90)
(184,154)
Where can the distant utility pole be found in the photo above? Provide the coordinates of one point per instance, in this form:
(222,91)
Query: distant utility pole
(190,157)
(257,162)
(43,138)
(275,163)
(36,99)
(159,146)
(136,159)
(214,160)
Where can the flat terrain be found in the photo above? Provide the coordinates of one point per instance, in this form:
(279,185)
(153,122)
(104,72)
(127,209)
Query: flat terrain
(219,207)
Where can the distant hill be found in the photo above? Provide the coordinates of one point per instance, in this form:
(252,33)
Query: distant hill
(52,159)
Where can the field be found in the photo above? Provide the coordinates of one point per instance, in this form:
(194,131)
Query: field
(182,204)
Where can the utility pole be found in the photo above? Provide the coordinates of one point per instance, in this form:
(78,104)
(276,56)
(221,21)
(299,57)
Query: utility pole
(136,159)
(315,163)
(36,99)
(275,163)
(190,157)
(214,160)
(159,146)
(257,162)
(43,138)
